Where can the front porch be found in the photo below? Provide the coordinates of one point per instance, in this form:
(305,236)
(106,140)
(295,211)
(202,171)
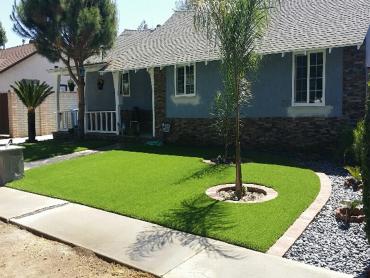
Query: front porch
(116,103)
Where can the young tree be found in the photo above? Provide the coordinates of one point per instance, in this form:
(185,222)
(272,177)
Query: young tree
(32,95)
(223,112)
(236,26)
(3,39)
(70,31)
(365,169)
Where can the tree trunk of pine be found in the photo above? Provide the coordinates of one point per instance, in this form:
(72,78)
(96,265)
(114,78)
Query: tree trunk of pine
(238,182)
(31,125)
(366,168)
(81,108)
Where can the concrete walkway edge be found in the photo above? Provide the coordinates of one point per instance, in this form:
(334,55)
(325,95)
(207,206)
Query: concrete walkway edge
(300,225)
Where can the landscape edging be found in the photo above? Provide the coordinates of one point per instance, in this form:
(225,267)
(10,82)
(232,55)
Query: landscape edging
(300,225)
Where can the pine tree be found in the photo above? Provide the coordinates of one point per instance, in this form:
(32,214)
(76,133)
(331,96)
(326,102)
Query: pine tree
(68,31)
(3,39)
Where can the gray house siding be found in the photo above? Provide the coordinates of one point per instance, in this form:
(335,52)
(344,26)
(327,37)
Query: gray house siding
(100,100)
(272,88)
(141,92)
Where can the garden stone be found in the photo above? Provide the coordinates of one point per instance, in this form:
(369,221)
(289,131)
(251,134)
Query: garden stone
(339,247)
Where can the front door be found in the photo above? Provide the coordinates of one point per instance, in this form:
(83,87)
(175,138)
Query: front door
(4,114)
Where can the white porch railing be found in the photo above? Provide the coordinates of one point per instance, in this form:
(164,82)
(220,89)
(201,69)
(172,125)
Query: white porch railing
(67,120)
(101,122)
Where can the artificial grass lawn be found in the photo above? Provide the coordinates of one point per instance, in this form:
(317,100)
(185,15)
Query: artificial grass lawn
(51,148)
(169,189)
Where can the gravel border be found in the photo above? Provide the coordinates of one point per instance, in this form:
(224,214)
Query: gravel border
(331,244)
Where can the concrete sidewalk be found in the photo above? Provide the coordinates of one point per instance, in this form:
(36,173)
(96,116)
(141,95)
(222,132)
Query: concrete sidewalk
(146,246)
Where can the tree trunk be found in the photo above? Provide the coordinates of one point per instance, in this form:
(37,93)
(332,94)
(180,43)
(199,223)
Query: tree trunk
(238,182)
(81,108)
(31,125)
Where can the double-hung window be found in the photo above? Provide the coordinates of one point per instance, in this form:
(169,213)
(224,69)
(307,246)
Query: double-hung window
(309,79)
(185,83)
(125,85)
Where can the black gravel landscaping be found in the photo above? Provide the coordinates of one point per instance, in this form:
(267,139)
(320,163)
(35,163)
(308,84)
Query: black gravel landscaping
(331,244)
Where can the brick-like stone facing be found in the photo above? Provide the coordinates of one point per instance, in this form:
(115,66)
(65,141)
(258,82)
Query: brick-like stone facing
(354,83)
(159,98)
(45,114)
(280,132)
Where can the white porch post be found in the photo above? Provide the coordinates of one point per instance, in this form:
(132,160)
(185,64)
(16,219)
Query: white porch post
(86,102)
(151,73)
(116,81)
(57,101)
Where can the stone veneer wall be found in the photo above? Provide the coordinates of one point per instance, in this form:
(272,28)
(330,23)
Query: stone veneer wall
(287,133)
(45,114)
(354,83)
(159,98)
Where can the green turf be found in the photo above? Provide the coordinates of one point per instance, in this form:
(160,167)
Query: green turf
(50,148)
(167,186)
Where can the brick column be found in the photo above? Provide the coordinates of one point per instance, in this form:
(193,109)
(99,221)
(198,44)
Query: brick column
(159,98)
(354,83)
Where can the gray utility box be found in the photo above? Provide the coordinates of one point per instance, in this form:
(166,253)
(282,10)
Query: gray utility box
(11,164)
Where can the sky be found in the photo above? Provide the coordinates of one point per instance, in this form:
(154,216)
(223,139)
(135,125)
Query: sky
(130,13)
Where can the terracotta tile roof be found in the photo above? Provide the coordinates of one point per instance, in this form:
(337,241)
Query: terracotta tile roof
(13,55)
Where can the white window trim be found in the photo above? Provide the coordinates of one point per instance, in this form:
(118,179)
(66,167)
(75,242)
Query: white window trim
(129,84)
(294,104)
(195,80)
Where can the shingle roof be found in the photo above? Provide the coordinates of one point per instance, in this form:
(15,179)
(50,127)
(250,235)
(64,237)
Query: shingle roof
(175,42)
(295,25)
(310,24)
(12,56)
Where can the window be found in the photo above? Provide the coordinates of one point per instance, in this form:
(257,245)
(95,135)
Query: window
(185,80)
(309,79)
(125,85)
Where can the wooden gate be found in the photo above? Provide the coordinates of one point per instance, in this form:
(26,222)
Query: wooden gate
(4,114)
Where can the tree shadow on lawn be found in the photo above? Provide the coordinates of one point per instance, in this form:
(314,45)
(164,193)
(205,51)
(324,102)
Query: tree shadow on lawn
(208,170)
(249,155)
(51,148)
(197,216)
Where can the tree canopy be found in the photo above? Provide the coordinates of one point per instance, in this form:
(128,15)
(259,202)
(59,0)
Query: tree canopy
(3,39)
(70,31)
(183,5)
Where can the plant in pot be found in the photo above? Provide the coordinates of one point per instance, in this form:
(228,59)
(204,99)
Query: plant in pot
(100,83)
(350,212)
(71,85)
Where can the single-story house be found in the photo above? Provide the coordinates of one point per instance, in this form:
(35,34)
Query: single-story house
(23,62)
(311,82)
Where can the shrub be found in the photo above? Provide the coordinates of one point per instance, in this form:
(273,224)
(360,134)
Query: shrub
(358,141)
(344,150)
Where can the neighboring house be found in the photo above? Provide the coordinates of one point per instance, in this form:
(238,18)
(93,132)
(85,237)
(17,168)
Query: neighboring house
(311,83)
(23,62)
